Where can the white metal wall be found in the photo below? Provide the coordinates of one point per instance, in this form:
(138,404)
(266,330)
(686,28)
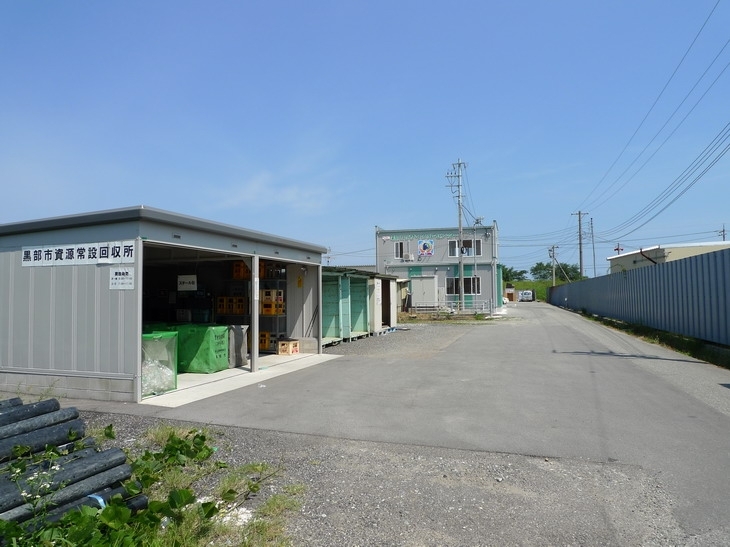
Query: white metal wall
(64,329)
(690,297)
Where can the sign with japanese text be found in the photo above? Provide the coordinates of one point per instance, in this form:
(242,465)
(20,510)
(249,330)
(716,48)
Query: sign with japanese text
(121,278)
(78,254)
(187,282)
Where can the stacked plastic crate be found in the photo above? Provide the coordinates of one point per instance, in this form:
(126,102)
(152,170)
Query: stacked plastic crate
(271,303)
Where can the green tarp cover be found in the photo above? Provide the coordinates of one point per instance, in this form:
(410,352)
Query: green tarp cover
(149,328)
(202,348)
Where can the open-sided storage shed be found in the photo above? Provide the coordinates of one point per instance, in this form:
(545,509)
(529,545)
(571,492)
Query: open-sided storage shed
(356,303)
(77,292)
(384,302)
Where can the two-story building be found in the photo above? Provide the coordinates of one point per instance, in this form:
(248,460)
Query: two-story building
(444,269)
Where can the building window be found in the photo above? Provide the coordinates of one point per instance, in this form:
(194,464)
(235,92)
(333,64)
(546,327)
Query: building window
(469,247)
(399,249)
(453,248)
(472,285)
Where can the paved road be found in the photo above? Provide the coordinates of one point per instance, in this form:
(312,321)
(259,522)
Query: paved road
(541,428)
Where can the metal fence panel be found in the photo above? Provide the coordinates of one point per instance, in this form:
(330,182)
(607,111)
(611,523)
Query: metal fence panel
(689,297)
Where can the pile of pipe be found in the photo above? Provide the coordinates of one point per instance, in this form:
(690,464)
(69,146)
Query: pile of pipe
(46,489)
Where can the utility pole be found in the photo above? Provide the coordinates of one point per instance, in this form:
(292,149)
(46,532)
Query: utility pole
(551,252)
(722,232)
(477,222)
(455,175)
(580,238)
(593,243)
(618,248)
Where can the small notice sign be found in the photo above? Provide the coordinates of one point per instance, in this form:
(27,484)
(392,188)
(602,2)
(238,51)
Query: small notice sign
(121,278)
(187,282)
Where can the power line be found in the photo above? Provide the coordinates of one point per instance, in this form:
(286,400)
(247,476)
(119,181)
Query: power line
(681,61)
(671,134)
(672,188)
(370,250)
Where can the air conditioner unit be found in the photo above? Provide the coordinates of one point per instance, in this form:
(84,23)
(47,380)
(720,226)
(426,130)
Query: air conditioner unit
(408,257)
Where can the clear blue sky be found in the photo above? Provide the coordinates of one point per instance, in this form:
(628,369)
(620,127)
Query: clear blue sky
(318,120)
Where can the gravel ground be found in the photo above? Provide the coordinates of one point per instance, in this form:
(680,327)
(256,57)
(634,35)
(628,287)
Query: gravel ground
(366,493)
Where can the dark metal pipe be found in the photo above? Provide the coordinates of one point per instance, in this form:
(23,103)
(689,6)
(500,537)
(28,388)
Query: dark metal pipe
(23,412)
(38,440)
(38,422)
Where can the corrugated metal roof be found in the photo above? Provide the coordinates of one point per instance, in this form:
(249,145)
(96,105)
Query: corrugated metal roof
(353,270)
(145,213)
(719,244)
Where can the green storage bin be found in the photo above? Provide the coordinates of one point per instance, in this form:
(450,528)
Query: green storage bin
(202,348)
(159,362)
(149,328)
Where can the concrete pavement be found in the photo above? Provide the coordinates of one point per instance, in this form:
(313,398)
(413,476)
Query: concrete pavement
(540,383)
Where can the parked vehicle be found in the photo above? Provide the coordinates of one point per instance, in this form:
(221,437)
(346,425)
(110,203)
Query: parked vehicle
(526,296)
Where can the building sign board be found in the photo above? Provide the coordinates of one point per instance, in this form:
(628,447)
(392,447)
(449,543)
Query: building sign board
(79,254)
(425,247)
(422,235)
(187,282)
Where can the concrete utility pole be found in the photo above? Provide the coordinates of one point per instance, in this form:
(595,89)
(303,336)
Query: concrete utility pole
(593,244)
(580,238)
(722,232)
(455,174)
(551,251)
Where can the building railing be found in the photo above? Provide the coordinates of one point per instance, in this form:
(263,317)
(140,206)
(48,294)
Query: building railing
(472,306)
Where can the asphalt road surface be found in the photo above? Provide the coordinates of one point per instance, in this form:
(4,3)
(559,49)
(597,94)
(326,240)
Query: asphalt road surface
(538,428)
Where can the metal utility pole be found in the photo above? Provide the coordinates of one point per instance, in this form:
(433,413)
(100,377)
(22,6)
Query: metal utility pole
(455,175)
(580,238)
(551,251)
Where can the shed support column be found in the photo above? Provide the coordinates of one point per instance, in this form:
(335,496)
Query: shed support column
(254,313)
(319,312)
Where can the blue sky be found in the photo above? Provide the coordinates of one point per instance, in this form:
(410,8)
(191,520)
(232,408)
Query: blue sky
(319,120)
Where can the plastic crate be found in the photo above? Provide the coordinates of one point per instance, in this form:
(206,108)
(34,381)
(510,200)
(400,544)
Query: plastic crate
(264,341)
(240,305)
(271,295)
(240,270)
(271,308)
(287,347)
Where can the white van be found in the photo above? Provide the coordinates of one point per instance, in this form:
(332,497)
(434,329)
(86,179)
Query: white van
(526,296)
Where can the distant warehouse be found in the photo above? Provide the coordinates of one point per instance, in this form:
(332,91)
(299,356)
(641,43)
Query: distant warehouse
(659,254)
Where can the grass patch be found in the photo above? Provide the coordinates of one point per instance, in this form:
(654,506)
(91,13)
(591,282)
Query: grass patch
(698,349)
(441,317)
(168,464)
(268,527)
